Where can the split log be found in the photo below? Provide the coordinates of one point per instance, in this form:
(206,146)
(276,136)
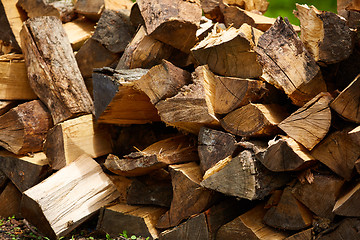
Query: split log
(10,199)
(173,150)
(116,100)
(285,154)
(163,81)
(143,52)
(186,182)
(13,79)
(295,72)
(191,108)
(325,34)
(339,152)
(24,127)
(11,22)
(347,204)
(206,26)
(24,171)
(122,184)
(243,176)
(351,16)
(135,16)
(3,180)
(288,214)
(78,31)
(250,5)
(60,9)
(213,146)
(303,235)
(230,52)
(135,220)
(68,140)
(211,10)
(6,106)
(250,226)
(346,229)
(346,104)
(320,195)
(67,198)
(172,22)
(310,123)
(254,120)
(59,86)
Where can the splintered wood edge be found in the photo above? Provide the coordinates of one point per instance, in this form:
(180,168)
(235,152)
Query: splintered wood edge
(217,167)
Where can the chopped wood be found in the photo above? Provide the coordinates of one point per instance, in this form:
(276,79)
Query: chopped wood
(288,214)
(143,52)
(295,72)
(230,52)
(173,150)
(254,120)
(211,10)
(10,199)
(303,235)
(285,154)
(122,184)
(163,81)
(309,124)
(24,171)
(116,100)
(350,15)
(186,182)
(67,198)
(346,229)
(250,5)
(213,146)
(135,220)
(319,196)
(59,86)
(347,203)
(78,31)
(68,140)
(23,128)
(6,106)
(172,22)
(135,16)
(3,180)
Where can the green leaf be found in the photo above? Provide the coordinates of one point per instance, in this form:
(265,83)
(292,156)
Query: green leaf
(133,237)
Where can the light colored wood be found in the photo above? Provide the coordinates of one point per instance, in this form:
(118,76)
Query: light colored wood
(310,123)
(250,5)
(68,140)
(6,106)
(78,31)
(67,198)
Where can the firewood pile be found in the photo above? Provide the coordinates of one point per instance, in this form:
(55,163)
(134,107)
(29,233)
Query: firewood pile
(169,124)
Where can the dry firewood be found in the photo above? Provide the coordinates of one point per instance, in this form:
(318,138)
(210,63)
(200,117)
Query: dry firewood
(62,9)
(345,9)
(320,195)
(250,226)
(254,120)
(24,171)
(11,23)
(186,182)
(211,10)
(303,235)
(213,146)
(346,104)
(173,150)
(13,79)
(78,31)
(191,108)
(6,106)
(163,81)
(3,180)
(347,203)
(135,16)
(250,5)
(67,198)
(122,184)
(295,72)
(285,154)
(66,141)
(346,229)
(310,123)
(206,26)
(10,199)
(143,52)
(354,134)
(23,128)
(135,220)
(230,52)
(243,176)
(288,214)
(59,86)
(116,100)
(172,22)
(325,34)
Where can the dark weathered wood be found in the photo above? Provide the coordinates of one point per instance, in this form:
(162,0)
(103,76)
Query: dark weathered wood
(135,16)
(186,182)
(172,22)
(344,10)
(3,180)
(163,81)
(6,106)
(320,195)
(325,34)
(10,199)
(303,235)
(67,198)
(173,150)
(24,127)
(24,171)
(295,72)
(347,204)
(211,10)
(135,220)
(213,146)
(122,184)
(230,52)
(68,140)
(310,123)
(59,86)
(346,229)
